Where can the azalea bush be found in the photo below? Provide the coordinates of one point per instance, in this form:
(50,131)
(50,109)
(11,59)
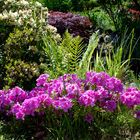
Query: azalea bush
(99,104)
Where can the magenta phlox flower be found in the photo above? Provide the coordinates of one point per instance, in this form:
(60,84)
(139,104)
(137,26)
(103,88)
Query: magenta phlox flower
(130,97)
(73,90)
(114,84)
(3,96)
(31,105)
(89,76)
(36,91)
(99,79)
(20,115)
(55,88)
(2,92)
(69,78)
(87,98)
(17,94)
(101,93)
(6,101)
(45,100)
(131,89)
(110,105)
(42,79)
(88,118)
(16,108)
(18,111)
(61,94)
(63,103)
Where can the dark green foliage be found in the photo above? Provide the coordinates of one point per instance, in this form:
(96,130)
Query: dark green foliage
(57,5)
(4,33)
(68,5)
(101,19)
(54,125)
(116,11)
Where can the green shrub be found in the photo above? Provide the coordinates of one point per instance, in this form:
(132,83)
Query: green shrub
(68,5)
(101,19)
(23,24)
(24,44)
(57,5)
(20,73)
(117,12)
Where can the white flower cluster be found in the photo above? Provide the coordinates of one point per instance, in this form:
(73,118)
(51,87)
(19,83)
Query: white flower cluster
(20,12)
(27,13)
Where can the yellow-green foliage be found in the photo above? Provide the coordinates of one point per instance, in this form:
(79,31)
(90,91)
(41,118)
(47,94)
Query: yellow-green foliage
(21,73)
(24,44)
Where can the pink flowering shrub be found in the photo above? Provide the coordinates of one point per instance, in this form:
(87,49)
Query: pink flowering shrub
(73,98)
(97,89)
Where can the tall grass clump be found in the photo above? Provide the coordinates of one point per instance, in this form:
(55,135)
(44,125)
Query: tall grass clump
(117,61)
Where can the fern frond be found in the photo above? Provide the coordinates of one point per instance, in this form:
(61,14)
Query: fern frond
(73,50)
(53,54)
(63,57)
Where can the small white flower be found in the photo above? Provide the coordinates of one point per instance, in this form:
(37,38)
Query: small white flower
(23,2)
(15,14)
(8,1)
(38,4)
(5,15)
(52,28)
(32,22)
(12,15)
(42,20)
(20,21)
(20,12)
(45,9)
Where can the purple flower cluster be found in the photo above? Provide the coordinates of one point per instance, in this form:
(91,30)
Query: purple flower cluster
(131,97)
(137,114)
(66,92)
(103,79)
(87,98)
(31,105)
(89,118)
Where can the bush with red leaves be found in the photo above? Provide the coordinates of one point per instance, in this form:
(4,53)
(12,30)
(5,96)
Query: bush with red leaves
(75,24)
(134,10)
